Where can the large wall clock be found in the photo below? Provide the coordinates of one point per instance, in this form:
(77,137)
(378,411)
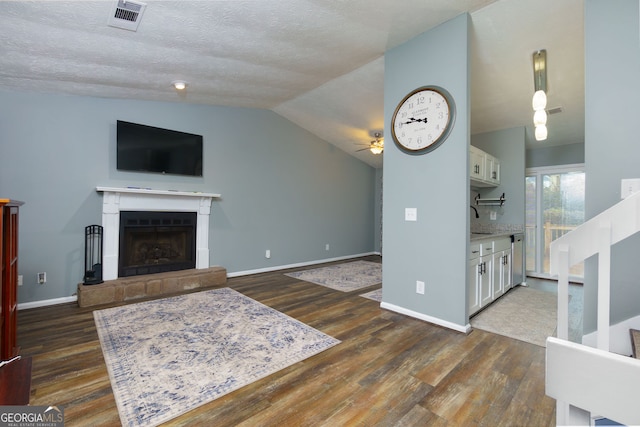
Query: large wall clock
(423,119)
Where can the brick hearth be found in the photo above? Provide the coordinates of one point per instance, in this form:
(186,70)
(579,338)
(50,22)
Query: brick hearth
(149,285)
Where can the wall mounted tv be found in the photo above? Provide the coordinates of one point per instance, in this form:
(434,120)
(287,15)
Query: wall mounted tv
(142,148)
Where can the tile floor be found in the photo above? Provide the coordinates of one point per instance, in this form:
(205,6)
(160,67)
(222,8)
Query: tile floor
(576,303)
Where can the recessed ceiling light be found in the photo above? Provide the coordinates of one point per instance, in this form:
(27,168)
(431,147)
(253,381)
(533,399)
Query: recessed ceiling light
(179,84)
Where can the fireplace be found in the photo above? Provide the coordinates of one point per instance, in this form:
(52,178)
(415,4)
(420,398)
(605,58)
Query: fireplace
(156,242)
(117,200)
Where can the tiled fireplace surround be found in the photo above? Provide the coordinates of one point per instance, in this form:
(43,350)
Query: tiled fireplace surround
(116,289)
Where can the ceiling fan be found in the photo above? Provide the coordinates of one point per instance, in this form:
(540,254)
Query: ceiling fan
(377,145)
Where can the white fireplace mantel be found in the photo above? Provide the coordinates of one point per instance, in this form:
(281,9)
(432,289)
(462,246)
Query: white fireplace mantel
(145,199)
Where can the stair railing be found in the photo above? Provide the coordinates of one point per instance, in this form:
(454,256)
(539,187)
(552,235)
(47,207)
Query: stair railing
(595,236)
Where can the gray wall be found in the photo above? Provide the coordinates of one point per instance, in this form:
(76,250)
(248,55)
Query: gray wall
(377,232)
(508,146)
(432,249)
(612,148)
(552,156)
(282,188)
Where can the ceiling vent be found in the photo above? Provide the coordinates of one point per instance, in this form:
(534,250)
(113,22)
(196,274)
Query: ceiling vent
(126,14)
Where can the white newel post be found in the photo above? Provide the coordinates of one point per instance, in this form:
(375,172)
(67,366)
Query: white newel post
(141,199)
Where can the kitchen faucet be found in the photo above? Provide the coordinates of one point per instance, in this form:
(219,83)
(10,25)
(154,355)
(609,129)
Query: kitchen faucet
(477,215)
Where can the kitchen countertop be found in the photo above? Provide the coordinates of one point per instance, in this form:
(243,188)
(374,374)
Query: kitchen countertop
(490,236)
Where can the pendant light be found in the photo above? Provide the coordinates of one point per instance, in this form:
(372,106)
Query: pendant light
(539,101)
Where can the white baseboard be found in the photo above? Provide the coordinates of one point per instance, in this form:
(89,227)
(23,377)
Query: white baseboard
(296,265)
(465,329)
(48,302)
(619,340)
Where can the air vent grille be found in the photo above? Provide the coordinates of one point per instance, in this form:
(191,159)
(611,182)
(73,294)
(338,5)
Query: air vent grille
(126,14)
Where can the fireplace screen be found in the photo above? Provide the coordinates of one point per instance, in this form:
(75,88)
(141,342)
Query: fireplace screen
(156,242)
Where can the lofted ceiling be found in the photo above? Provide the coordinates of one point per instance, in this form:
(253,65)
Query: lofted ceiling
(318,63)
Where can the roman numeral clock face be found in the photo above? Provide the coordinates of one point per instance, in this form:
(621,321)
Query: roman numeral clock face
(423,119)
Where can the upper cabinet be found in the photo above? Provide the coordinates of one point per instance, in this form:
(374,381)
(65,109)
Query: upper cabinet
(484,168)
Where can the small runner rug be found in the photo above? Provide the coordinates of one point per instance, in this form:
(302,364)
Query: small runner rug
(522,313)
(375,295)
(168,356)
(346,277)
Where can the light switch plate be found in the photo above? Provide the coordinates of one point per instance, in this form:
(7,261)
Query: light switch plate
(493,215)
(628,187)
(411,214)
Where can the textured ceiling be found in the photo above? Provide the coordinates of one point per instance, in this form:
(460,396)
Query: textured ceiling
(319,63)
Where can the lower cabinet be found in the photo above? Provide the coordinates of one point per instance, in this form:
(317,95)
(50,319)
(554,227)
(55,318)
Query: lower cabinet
(501,266)
(489,272)
(473,286)
(486,291)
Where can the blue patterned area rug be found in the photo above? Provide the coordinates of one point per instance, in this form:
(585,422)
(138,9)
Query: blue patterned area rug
(168,356)
(345,277)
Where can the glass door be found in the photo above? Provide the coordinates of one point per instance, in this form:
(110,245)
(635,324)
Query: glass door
(531,224)
(554,206)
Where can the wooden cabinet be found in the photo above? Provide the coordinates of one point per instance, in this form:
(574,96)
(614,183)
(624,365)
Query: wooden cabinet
(484,169)
(9,277)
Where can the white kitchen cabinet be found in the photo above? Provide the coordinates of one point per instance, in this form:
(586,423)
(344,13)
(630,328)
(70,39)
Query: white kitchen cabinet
(486,270)
(492,170)
(484,169)
(479,291)
(473,274)
(501,266)
(473,286)
(506,271)
(489,271)
(498,288)
(486,279)
(476,163)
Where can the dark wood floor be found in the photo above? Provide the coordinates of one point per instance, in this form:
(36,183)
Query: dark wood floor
(389,369)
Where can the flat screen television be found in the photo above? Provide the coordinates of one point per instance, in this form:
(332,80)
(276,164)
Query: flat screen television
(142,148)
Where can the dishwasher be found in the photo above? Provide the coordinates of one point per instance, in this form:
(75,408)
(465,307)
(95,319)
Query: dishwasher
(517,260)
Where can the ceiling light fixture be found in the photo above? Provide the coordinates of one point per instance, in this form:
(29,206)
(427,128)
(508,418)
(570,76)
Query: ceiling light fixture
(179,84)
(377,146)
(539,102)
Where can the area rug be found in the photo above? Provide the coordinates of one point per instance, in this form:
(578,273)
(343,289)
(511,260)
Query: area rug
(523,313)
(375,295)
(346,277)
(168,356)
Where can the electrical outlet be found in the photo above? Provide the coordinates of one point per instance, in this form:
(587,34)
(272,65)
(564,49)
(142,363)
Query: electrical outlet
(493,215)
(420,287)
(326,247)
(42,278)
(267,254)
(19,279)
